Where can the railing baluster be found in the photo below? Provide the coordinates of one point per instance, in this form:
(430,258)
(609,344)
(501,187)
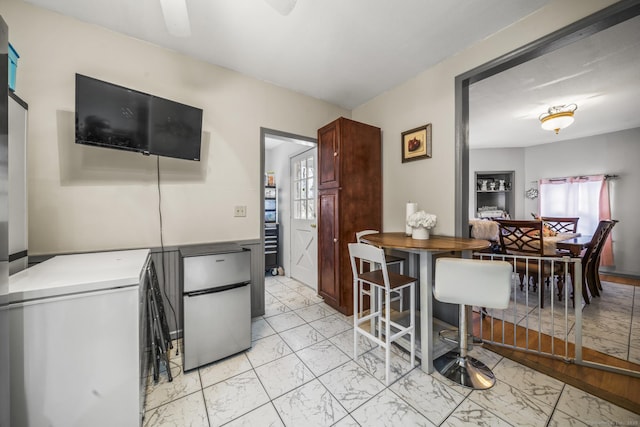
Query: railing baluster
(568,264)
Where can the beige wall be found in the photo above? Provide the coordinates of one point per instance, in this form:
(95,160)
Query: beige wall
(85,198)
(429,98)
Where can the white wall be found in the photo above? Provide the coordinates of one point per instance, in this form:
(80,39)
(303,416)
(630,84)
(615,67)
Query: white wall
(429,98)
(85,198)
(503,159)
(615,153)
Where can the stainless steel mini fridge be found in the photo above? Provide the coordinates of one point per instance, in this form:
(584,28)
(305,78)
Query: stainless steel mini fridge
(216,302)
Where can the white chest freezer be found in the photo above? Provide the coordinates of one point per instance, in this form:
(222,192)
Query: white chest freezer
(76,340)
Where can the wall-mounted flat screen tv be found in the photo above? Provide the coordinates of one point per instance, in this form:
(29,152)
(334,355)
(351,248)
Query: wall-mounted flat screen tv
(112,116)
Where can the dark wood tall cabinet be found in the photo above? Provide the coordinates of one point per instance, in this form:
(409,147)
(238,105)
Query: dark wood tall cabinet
(349,200)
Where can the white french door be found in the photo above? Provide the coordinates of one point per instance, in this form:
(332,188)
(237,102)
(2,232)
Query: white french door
(304,232)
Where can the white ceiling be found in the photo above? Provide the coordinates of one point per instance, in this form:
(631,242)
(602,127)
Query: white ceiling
(343,51)
(601,74)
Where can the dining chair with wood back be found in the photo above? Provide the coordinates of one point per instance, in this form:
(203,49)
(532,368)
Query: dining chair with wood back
(561,224)
(590,259)
(525,238)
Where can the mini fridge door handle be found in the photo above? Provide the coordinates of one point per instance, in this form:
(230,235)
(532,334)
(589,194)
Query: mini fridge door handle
(217,289)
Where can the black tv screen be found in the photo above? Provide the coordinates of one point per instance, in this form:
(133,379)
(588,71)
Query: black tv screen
(112,116)
(174,129)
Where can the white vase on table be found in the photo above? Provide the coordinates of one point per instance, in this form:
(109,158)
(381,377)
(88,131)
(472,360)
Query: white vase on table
(420,233)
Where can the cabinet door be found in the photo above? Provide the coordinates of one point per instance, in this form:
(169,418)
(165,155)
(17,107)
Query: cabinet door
(328,247)
(329,156)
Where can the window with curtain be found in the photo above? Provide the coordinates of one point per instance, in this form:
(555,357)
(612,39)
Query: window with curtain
(586,197)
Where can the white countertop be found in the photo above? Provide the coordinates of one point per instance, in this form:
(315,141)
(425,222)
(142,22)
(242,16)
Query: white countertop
(70,274)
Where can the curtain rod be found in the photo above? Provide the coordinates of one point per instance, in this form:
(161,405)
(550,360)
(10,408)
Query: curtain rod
(606,177)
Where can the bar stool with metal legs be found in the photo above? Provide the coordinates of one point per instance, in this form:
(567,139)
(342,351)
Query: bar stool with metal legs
(471,282)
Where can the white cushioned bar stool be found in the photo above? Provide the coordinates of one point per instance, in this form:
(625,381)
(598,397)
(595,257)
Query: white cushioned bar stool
(471,282)
(382,282)
(390,260)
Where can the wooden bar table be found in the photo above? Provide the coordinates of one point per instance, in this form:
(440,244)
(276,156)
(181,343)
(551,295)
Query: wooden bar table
(426,249)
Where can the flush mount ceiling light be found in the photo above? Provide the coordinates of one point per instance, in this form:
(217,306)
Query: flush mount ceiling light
(558,117)
(176,17)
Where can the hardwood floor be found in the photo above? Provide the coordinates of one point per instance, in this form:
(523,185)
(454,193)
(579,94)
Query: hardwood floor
(620,280)
(620,389)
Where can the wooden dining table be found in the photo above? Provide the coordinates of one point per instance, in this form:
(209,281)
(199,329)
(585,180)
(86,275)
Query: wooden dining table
(426,249)
(575,245)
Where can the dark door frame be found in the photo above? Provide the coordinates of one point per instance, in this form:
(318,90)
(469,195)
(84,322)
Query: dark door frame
(264,132)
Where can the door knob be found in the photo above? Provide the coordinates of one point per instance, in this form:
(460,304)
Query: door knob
(335,240)
(313,226)
(335,154)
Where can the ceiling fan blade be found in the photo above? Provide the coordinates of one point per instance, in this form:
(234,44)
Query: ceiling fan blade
(283,7)
(176,17)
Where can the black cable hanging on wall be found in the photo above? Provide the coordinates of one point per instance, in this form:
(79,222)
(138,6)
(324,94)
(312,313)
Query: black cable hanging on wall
(164,270)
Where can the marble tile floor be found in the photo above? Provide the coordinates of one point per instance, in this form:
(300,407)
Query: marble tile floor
(610,324)
(300,371)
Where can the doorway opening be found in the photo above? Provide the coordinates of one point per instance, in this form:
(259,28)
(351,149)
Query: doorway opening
(464,185)
(288,205)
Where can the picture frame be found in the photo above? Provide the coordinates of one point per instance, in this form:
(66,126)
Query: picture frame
(416,144)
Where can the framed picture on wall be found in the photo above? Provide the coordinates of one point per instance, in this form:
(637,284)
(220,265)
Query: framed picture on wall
(416,144)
